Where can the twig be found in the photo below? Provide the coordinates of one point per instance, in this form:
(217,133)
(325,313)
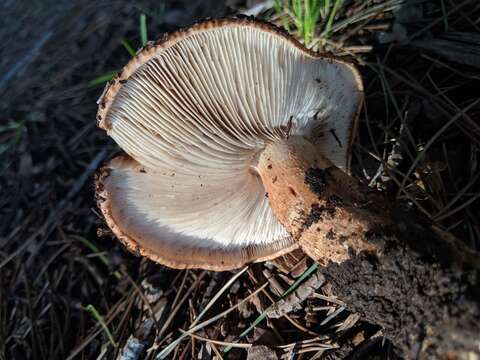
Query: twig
(218,342)
(180,303)
(170,347)
(430,143)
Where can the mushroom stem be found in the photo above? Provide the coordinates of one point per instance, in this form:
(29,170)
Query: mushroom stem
(334,217)
(359,239)
(327,211)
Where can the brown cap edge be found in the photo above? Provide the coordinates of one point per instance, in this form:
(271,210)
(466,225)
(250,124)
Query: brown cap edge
(207,260)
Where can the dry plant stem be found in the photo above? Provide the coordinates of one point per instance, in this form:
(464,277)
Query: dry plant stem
(387,265)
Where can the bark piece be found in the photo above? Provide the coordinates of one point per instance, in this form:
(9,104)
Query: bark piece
(294,301)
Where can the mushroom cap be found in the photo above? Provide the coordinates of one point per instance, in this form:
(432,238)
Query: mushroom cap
(193,111)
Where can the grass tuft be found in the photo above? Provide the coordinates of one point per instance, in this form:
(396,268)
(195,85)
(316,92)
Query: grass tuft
(306,16)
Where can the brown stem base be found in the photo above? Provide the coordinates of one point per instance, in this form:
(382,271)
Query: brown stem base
(387,265)
(425,310)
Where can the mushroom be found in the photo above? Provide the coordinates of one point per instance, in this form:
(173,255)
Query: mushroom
(237,143)
(235,136)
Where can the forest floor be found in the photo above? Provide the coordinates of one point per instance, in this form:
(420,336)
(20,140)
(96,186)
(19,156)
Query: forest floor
(69,290)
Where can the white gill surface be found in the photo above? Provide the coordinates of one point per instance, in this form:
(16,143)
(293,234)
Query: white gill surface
(195,116)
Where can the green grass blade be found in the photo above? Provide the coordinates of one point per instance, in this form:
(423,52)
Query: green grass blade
(257,321)
(305,275)
(128,47)
(298,16)
(102,323)
(312,14)
(307,21)
(263,315)
(164,353)
(95,249)
(102,79)
(143,29)
(326,8)
(303,13)
(331,18)
(12,125)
